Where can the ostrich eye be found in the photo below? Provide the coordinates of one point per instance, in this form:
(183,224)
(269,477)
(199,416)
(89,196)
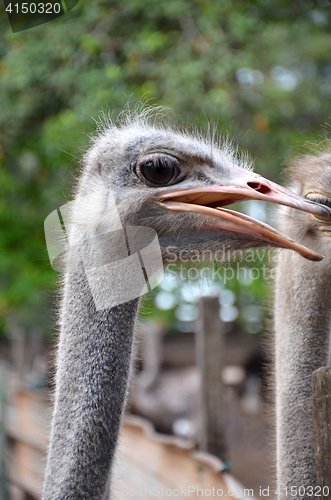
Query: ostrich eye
(158,170)
(322,199)
(319,198)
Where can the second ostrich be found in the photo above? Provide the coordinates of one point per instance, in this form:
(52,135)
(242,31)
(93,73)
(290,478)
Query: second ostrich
(177,185)
(302,324)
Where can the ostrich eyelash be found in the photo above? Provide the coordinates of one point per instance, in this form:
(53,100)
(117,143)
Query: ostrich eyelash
(319,199)
(325,201)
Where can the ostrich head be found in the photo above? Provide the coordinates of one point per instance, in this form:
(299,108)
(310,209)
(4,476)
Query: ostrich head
(178,185)
(310,177)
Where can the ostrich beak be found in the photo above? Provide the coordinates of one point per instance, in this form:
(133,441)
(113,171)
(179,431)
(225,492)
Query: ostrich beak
(209,200)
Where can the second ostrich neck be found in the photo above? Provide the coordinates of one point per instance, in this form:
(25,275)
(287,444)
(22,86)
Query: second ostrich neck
(302,323)
(93,368)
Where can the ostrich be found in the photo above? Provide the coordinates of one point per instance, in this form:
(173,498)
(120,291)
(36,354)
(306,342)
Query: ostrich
(176,184)
(302,325)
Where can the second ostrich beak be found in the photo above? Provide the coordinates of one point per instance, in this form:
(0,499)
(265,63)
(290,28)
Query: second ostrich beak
(209,201)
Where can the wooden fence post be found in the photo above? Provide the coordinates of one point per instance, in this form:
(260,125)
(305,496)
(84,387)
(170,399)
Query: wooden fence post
(322,428)
(210,360)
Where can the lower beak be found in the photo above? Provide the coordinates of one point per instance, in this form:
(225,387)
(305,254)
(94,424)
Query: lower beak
(208,202)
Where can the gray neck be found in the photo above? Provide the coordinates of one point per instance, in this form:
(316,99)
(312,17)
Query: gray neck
(302,323)
(91,382)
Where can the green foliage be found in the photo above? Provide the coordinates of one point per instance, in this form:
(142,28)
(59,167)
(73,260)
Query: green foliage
(259,67)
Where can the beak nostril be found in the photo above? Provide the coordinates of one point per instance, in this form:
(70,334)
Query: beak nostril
(257,186)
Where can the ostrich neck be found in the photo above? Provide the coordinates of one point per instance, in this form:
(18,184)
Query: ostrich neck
(91,381)
(302,323)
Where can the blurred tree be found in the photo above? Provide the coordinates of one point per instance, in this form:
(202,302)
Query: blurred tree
(260,67)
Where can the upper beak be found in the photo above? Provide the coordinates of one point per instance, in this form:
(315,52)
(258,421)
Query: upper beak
(250,186)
